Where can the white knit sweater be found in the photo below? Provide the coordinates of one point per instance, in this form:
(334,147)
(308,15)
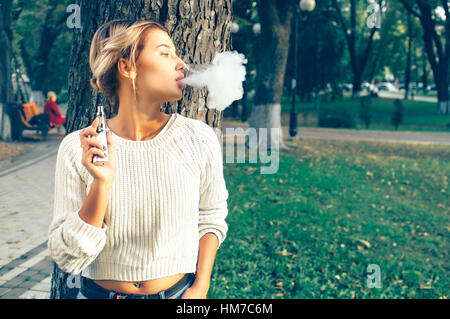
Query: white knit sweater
(168,192)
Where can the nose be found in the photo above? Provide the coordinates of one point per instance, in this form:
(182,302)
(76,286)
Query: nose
(181,65)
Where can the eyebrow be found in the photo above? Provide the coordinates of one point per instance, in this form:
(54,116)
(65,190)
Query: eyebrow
(164,44)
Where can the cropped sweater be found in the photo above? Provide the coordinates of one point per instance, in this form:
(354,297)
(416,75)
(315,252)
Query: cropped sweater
(168,192)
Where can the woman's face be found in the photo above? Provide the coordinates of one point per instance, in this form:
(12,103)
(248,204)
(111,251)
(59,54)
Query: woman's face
(158,68)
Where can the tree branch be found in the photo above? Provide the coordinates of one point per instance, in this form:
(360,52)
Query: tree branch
(341,19)
(410,9)
(429,25)
(447,30)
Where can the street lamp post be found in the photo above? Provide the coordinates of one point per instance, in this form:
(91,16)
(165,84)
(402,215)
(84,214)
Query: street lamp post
(293,114)
(305,5)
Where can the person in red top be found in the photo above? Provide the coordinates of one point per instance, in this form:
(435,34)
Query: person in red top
(50,107)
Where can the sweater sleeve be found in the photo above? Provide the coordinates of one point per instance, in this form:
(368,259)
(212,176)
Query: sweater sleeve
(73,244)
(213,207)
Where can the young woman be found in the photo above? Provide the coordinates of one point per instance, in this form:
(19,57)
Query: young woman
(148,223)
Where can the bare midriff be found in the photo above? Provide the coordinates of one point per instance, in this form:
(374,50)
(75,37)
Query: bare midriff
(148,287)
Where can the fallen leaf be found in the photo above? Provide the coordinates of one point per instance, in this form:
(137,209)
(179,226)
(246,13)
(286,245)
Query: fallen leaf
(284,252)
(364,242)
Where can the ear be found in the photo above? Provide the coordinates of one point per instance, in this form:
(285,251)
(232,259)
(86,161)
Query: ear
(124,68)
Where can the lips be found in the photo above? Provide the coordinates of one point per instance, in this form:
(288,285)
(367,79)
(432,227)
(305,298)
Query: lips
(178,80)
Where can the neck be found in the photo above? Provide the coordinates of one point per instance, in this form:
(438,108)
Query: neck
(138,121)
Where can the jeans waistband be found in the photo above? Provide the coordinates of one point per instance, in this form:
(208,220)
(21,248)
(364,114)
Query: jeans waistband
(94,291)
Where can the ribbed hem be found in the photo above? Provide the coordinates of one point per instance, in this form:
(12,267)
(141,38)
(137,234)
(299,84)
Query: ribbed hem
(89,239)
(158,269)
(163,137)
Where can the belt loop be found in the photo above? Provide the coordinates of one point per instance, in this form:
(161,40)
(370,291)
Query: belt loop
(162,294)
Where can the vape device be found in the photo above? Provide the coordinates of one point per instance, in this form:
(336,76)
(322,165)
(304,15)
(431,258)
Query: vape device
(101,135)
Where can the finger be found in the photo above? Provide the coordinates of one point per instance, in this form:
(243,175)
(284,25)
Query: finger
(88,131)
(96,151)
(90,142)
(93,142)
(96,122)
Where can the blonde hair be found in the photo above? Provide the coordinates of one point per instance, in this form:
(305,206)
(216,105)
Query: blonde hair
(114,40)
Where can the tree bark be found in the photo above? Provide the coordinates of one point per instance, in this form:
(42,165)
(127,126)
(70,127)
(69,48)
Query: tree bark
(408,59)
(5,52)
(199,29)
(275,18)
(358,63)
(438,55)
(5,67)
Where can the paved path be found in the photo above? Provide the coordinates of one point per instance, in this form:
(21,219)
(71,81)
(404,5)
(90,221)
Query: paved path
(401,94)
(358,135)
(26,205)
(26,208)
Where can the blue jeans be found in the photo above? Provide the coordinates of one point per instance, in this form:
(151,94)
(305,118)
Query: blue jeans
(176,295)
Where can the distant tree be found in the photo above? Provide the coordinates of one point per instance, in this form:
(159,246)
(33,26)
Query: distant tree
(438,51)
(5,52)
(5,67)
(359,54)
(36,44)
(409,53)
(275,18)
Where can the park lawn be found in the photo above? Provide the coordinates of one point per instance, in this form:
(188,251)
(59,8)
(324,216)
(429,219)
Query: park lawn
(332,209)
(418,116)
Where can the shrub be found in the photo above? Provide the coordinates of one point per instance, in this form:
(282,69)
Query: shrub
(397,116)
(336,118)
(365,112)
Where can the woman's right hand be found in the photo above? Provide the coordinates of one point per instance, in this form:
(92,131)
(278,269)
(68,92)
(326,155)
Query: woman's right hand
(102,172)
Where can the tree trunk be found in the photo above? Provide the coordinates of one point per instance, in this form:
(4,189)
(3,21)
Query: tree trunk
(424,73)
(199,29)
(408,59)
(5,52)
(275,18)
(358,61)
(357,81)
(5,70)
(439,59)
(442,91)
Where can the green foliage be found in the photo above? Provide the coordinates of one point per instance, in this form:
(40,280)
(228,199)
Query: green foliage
(27,39)
(338,118)
(417,116)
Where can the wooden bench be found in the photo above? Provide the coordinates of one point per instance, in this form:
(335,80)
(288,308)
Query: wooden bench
(19,115)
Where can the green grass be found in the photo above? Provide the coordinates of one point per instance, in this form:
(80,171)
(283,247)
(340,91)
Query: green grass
(333,208)
(418,116)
